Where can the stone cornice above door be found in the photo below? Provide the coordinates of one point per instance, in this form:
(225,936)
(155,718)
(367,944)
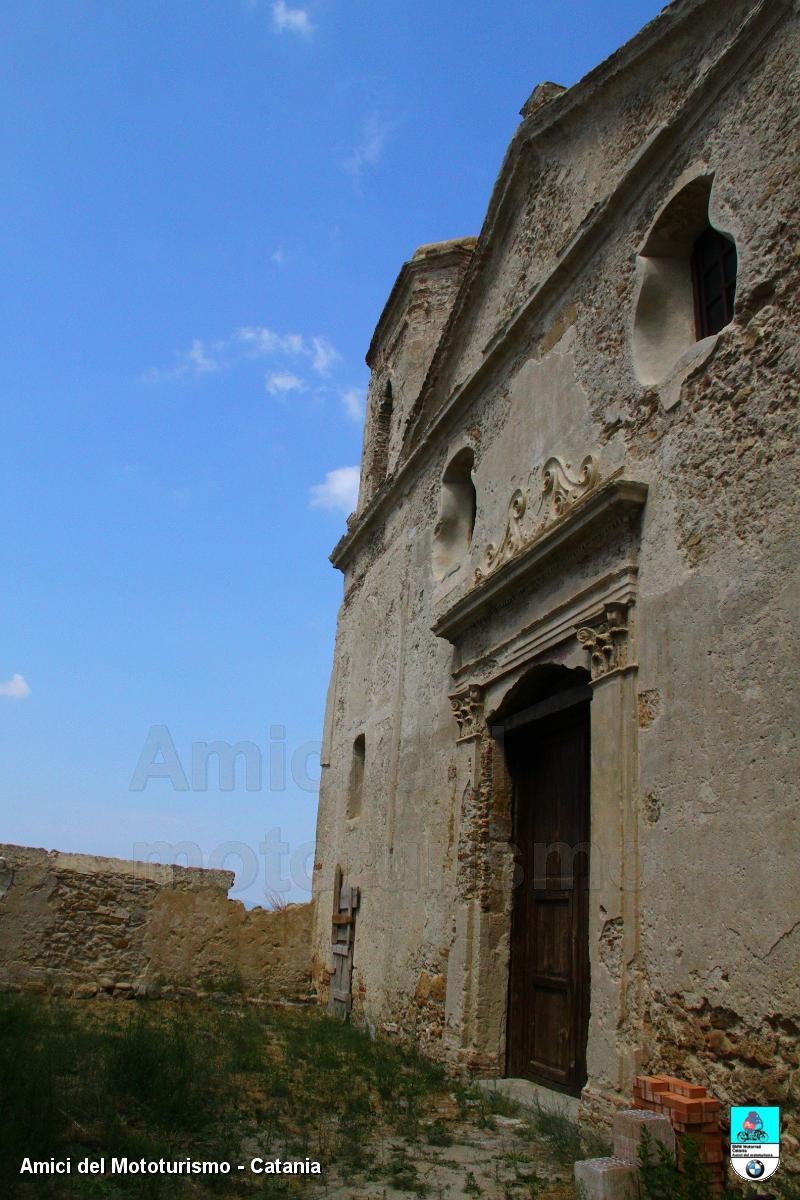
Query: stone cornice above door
(585,520)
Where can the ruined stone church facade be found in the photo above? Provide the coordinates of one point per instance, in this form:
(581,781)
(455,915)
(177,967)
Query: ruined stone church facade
(556,833)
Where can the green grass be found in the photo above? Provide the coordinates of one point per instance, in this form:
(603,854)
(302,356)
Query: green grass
(555,1128)
(437,1134)
(663,1181)
(177,1080)
(187,1078)
(483,1104)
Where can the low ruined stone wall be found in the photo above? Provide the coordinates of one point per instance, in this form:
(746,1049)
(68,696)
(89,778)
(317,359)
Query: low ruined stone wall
(79,924)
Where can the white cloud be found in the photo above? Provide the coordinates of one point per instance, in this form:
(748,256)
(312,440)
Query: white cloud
(324,355)
(197,360)
(354,403)
(340,490)
(281,382)
(257,339)
(260,341)
(249,341)
(291,20)
(15,688)
(369,149)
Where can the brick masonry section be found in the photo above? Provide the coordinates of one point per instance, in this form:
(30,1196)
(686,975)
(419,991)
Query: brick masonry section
(79,925)
(691,1112)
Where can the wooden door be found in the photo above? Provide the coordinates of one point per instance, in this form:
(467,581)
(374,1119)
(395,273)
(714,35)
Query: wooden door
(548,1008)
(346,900)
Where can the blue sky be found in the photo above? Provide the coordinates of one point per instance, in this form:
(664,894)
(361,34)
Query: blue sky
(205,204)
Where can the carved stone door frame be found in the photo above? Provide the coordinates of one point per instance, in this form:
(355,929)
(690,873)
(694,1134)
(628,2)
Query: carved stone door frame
(589,623)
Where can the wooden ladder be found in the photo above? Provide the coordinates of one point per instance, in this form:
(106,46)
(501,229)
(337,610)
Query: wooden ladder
(346,900)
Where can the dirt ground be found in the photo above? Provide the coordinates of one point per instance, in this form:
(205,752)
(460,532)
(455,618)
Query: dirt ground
(486,1155)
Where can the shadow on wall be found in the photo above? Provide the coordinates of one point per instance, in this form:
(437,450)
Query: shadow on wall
(456,518)
(687,282)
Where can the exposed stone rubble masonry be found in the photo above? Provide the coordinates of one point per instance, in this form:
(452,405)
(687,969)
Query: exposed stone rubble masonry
(81,925)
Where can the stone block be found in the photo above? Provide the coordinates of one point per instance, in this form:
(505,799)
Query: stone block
(531,1095)
(606,1179)
(629,1124)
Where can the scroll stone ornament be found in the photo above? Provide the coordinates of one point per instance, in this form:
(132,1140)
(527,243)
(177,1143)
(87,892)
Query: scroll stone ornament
(467,705)
(512,537)
(560,490)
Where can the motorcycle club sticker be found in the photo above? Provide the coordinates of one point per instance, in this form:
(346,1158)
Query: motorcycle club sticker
(755,1141)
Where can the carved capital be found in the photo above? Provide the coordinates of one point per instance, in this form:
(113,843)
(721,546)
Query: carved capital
(467,705)
(607,641)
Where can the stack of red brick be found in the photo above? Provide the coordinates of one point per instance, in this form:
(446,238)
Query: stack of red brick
(691,1111)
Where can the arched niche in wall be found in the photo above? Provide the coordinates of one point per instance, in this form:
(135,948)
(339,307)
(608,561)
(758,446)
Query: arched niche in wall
(456,516)
(687,282)
(380,433)
(355,783)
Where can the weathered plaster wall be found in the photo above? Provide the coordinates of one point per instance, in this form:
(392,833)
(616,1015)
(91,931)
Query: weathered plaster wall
(719,910)
(696,918)
(82,924)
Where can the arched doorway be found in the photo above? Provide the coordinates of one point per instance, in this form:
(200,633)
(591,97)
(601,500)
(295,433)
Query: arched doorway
(544,726)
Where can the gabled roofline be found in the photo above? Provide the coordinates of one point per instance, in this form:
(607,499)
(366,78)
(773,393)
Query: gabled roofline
(546,119)
(745,42)
(438,253)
